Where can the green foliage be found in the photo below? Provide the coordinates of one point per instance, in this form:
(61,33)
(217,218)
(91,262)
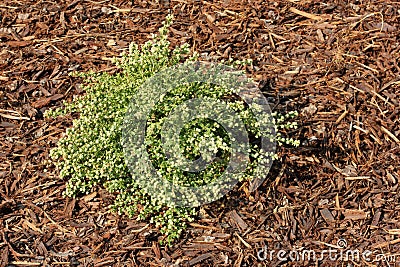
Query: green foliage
(91,153)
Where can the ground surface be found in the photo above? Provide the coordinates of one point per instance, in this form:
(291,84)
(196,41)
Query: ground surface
(336,63)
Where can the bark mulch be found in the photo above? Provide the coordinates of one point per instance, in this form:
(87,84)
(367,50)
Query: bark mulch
(335,62)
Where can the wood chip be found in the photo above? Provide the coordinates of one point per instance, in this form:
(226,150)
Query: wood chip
(327,215)
(351,214)
(238,221)
(199,259)
(304,14)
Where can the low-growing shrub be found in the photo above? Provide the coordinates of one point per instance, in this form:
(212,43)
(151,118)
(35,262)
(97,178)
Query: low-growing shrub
(91,152)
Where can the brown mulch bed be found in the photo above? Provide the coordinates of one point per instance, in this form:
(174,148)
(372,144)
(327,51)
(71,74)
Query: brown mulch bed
(334,62)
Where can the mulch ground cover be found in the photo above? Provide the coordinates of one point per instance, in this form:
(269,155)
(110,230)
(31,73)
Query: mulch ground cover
(336,62)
